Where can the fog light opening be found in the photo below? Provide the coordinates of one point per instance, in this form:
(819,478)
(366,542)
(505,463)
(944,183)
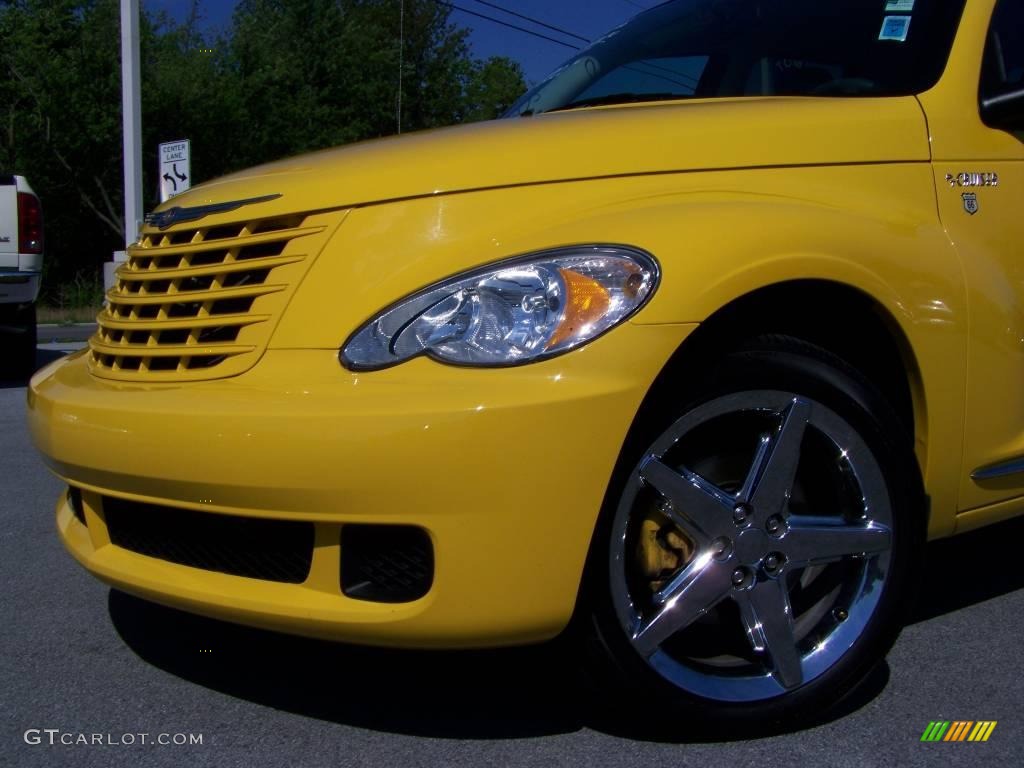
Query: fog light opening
(386,563)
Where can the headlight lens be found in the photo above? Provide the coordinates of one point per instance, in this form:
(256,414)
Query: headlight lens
(512,312)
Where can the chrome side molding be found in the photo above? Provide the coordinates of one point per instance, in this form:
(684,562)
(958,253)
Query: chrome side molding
(1002,469)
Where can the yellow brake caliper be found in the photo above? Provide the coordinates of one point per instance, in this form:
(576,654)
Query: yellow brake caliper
(662,549)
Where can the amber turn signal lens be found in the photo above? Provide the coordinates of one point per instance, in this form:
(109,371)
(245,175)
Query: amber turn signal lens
(586,302)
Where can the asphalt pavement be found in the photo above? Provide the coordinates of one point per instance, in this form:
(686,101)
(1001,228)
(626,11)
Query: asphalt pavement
(58,335)
(81,662)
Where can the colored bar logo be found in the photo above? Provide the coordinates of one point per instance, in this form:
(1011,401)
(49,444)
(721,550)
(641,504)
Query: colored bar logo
(959,730)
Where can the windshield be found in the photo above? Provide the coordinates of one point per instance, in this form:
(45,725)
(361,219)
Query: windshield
(714,48)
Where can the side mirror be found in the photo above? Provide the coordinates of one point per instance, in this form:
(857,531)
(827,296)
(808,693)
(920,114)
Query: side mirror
(1005,111)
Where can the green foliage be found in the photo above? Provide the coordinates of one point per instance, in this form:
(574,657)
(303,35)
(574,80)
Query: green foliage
(82,291)
(493,88)
(60,112)
(289,76)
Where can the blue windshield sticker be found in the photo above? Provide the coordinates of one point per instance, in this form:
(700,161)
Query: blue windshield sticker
(899,6)
(895,28)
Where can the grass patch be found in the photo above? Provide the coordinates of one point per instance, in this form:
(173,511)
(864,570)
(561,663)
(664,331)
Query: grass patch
(77,300)
(46,315)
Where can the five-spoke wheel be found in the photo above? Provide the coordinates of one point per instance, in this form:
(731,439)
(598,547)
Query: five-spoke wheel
(751,552)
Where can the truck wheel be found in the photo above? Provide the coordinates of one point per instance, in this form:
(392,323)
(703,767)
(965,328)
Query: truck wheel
(755,562)
(20,357)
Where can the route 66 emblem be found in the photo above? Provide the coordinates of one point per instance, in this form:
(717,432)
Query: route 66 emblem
(970,202)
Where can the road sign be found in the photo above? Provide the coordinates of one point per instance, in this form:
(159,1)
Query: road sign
(175,171)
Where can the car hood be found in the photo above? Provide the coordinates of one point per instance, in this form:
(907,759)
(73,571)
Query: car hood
(586,143)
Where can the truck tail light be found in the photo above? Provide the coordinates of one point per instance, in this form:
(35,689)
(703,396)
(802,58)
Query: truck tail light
(30,223)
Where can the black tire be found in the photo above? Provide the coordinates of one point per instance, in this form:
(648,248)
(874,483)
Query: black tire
(19,359)
(712,597)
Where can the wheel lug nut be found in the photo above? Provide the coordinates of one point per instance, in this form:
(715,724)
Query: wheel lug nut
(840,614)
(773,561)
(740,578)
(740,514)
(774,524)
(721,547)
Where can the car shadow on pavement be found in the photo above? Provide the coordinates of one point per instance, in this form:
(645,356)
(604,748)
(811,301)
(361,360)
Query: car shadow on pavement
(509,693)
(985,568)
(494,694)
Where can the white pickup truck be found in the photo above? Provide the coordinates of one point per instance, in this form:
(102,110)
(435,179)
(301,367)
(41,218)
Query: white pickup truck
(21,267)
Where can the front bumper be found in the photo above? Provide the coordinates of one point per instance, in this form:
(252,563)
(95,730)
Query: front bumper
(506,469)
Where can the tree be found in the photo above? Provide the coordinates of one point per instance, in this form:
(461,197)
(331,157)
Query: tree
(494,86)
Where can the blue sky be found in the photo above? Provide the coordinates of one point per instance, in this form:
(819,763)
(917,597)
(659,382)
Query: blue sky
(538,57)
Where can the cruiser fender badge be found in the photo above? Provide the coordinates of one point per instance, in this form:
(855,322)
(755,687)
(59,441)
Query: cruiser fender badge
(987,179)
(970,202)
(177,214)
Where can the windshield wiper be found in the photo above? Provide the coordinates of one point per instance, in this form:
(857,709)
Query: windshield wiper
(619,98)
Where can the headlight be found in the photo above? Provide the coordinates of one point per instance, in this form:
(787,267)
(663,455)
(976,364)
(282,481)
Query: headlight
(511,312)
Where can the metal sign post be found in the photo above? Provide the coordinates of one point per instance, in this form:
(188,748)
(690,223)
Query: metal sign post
(131,106)
(175,168)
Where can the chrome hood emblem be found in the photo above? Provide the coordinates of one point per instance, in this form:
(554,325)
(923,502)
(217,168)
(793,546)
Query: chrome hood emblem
(177,214)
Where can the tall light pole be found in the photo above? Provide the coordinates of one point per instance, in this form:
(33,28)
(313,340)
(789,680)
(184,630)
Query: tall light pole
(131,110)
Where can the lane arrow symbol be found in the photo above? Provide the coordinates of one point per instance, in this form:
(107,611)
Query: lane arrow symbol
(168,177)
(177,173)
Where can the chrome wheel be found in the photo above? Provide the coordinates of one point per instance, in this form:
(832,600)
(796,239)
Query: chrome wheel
(750,547)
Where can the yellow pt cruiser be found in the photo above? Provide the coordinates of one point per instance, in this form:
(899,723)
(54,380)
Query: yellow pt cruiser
(699,344)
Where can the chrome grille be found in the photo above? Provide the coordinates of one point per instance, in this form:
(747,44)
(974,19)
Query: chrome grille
(200,302)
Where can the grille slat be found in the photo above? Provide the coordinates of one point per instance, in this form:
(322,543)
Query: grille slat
(247,265)
(129,300)
(171,350)
(148,251)
(171,325)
